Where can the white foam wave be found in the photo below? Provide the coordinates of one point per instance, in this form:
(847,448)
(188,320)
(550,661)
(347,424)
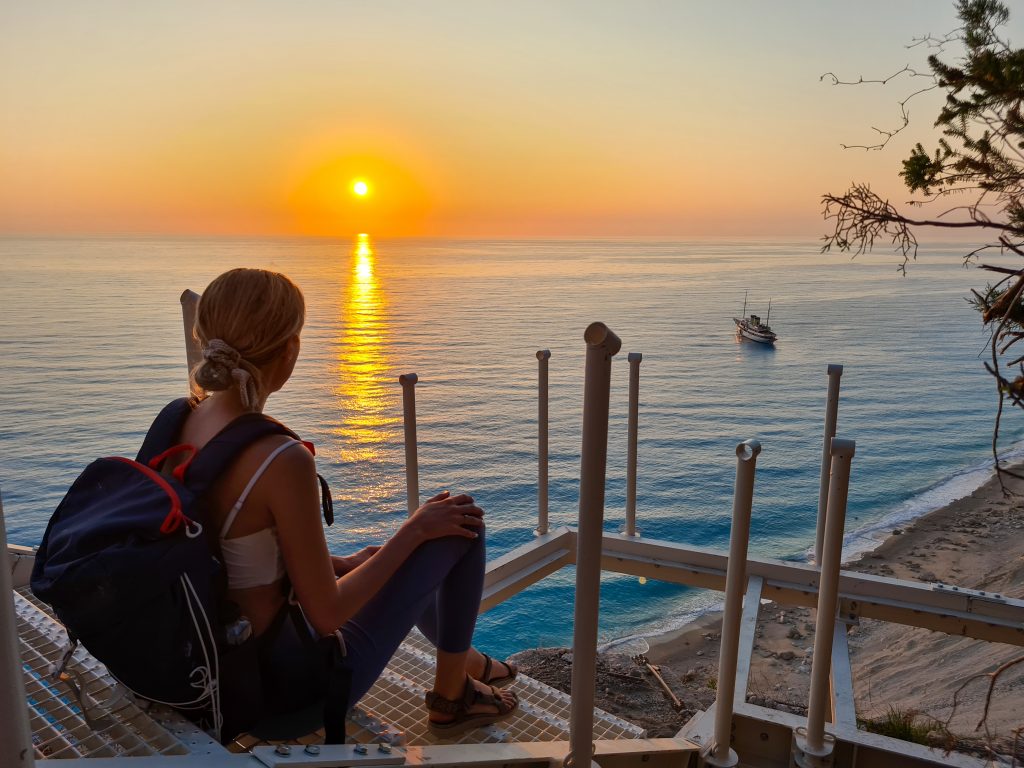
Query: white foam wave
(696,606)
(959,485)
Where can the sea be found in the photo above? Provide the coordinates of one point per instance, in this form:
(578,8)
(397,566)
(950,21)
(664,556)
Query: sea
(92,345)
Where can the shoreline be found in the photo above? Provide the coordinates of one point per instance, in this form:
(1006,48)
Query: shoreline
(976,541)
(857,544)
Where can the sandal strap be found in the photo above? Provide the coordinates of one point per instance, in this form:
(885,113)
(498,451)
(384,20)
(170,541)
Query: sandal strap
(513,670)
(438,703)
(488,663)
(493,699)
(470,697)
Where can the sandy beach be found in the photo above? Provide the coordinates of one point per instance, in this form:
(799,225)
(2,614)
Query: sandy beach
(975,542)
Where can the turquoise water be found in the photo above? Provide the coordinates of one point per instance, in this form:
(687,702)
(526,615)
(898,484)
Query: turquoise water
(91,339)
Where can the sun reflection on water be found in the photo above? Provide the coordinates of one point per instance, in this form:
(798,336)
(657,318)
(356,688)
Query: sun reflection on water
(364,391)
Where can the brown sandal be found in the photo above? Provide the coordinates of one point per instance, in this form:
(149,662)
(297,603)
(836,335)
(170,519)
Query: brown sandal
(498,682)
(463,719)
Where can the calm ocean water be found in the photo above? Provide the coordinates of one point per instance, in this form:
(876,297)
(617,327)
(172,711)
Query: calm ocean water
(91,340)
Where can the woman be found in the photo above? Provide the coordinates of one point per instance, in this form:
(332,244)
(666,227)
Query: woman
(267,511)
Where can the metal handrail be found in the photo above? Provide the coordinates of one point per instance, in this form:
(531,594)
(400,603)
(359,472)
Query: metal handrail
(602,345)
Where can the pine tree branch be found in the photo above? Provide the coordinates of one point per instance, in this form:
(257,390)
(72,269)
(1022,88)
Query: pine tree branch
(931,41)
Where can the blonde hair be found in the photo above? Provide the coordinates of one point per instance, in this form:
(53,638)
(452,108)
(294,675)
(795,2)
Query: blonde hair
(243,322)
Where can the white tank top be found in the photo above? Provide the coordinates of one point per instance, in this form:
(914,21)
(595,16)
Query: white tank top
(253,560)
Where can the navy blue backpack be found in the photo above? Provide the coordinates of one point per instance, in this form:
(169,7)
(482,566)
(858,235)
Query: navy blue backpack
(127,565)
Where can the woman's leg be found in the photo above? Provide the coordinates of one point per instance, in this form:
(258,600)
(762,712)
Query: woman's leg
(446,573)
(476,662)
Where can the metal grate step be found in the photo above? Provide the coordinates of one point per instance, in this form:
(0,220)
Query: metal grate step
(59,727)
(543,713)
(391,711)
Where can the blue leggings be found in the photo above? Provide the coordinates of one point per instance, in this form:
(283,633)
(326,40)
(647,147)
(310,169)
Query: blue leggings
(437,588)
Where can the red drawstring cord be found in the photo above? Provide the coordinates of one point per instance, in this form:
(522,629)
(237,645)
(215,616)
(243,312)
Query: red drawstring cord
(175,518)
(179,471)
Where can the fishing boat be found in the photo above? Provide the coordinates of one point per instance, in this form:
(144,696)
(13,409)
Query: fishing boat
(59,702)
(751,327)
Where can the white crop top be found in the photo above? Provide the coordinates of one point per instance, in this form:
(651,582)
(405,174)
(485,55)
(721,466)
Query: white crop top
(253,560)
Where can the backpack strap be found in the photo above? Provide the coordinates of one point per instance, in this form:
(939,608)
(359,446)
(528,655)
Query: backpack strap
(219,453)
(166,427)
(223,448)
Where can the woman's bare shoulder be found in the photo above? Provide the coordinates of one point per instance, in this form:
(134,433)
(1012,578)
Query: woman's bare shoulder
(292,467)
(291,462)
(296,459)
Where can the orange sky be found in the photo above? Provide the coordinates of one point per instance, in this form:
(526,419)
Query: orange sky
(467,118)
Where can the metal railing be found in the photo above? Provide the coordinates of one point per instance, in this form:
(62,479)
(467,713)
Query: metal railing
(412,463)
(543,355)
(602,346)
(15,737)
(632,428)
(719,753)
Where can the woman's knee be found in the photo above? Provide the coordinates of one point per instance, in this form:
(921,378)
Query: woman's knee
(453,547)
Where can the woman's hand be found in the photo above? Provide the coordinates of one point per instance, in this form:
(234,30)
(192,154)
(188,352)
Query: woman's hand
(446,515)
(344,564)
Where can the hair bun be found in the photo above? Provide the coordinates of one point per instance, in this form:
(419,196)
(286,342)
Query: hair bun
(219,360)
(212,377)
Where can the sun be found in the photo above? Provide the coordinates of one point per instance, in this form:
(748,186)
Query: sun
(360,188)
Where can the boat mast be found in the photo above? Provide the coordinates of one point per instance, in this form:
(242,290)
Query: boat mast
(743,314)
(766,320)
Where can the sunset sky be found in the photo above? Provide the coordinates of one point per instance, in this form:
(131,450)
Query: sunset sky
(462,118)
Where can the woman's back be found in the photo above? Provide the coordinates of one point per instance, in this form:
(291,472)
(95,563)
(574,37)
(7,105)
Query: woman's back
(249,543)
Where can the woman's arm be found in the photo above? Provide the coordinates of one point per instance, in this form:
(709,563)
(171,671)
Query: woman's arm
(328,602)
(342,564)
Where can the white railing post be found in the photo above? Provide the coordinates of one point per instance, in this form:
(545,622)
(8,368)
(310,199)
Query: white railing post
(193,352)
(835,372)
(602,345)
(634,359)
(543,355)
(718,753)
(811,745)
(412,466)
(16,749)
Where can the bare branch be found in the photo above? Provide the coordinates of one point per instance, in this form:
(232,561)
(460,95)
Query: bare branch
(1012,247)
(931,41)
(993,268)
(860,80)
(993,677)
(887,135)
(860,217)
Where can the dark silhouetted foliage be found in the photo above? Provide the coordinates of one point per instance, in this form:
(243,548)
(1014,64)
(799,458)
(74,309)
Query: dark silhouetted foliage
(979,163)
